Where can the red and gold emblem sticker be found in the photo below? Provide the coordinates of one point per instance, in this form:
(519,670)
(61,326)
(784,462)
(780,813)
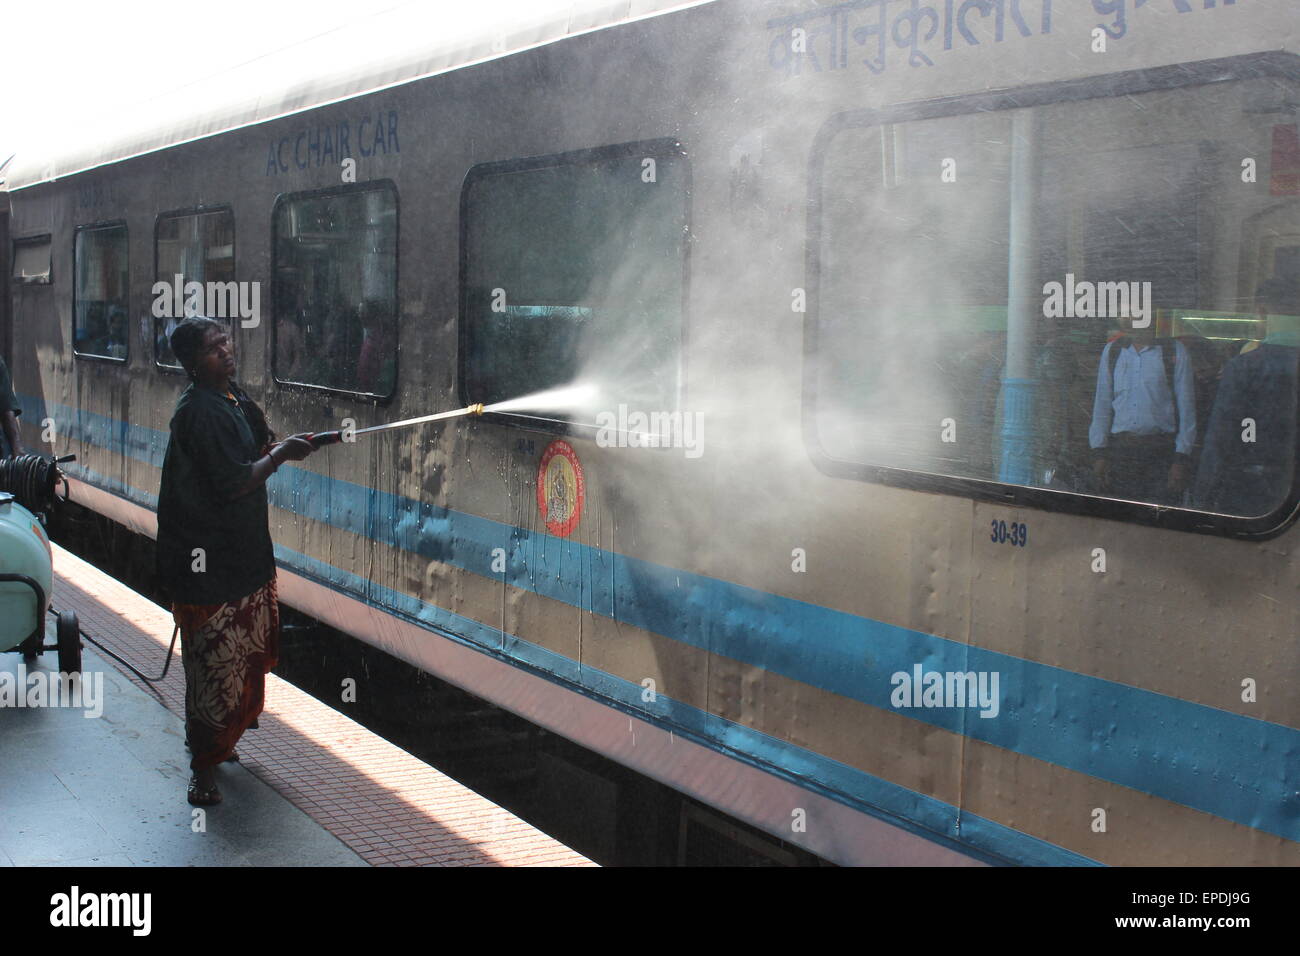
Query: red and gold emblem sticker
(560,488)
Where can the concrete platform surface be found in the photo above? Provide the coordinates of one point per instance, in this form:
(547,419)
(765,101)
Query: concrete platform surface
(313,788)
(109,790)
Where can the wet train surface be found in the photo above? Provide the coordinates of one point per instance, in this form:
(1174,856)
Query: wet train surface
(935,498)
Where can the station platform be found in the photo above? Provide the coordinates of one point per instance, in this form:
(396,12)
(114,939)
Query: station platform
(312,788)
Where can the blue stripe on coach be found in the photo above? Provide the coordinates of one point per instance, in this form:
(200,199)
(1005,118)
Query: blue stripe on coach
(1239,768)
(898,805)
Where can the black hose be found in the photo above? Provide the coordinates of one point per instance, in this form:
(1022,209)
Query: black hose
(31,479)
(127,664)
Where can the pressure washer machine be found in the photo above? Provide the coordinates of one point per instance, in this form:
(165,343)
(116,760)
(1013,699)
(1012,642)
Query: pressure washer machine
(27,492)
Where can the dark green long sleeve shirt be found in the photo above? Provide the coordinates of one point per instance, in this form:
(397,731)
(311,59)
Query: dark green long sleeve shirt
(209,455)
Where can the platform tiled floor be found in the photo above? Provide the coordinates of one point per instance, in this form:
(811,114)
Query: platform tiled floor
(111,790)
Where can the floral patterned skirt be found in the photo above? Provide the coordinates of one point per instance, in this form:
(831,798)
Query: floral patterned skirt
(227,650)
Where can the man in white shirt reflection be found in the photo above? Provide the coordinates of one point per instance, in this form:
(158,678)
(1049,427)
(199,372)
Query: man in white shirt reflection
(1143,427)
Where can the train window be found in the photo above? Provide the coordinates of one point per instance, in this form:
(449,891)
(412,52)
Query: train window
(573,270)
(100,328)
(32,261)
(1077,296)
(192,247)
(335,292)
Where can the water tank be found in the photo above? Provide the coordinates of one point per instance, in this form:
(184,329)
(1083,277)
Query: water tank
(24,549)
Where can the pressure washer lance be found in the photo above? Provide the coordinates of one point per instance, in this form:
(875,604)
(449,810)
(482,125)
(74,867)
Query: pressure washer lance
(320,439)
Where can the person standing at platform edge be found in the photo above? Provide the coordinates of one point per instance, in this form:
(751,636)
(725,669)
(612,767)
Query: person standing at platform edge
(215,560)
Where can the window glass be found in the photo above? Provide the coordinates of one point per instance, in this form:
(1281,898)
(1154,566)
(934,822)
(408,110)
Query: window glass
(975,269)
(574,273)
(100,325)
(336,289)
(32,261)
(192,248)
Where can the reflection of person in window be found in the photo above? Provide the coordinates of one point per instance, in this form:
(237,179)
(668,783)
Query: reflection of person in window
(329,358)
(1143,425)
(289,350)
(115,342)
(376,348)
(162,344)
(1067,371)
(1250,443)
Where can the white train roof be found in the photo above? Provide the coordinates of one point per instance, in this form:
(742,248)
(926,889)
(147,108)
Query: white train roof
(417,40)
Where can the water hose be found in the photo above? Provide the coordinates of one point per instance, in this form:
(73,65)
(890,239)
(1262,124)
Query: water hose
(32,480)
(320,439)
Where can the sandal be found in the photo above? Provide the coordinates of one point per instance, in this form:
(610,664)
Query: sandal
(199,797)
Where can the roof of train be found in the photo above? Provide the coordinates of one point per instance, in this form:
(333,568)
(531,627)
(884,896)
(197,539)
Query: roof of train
(290,80)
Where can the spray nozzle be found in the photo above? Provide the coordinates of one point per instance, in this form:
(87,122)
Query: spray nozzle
(476,409)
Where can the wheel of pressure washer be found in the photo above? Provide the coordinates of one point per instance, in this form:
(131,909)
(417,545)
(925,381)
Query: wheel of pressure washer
(69,635)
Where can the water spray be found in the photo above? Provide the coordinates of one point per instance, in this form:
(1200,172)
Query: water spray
(571,396)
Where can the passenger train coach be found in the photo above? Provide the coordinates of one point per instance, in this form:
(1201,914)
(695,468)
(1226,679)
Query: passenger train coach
(838,546)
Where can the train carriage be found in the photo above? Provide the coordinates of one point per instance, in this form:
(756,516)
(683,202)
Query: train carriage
(825,548)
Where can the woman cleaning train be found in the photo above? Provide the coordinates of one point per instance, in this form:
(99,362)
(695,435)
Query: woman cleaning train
(215,559)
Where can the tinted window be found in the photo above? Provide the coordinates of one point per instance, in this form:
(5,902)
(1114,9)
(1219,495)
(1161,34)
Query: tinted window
(974,269)
(336,289)
(192,248)
(100,327)
(574,271)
